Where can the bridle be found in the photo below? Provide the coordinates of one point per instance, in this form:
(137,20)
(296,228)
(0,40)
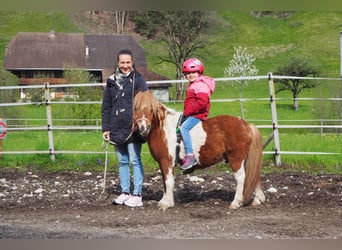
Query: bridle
(146,126)
(143,119)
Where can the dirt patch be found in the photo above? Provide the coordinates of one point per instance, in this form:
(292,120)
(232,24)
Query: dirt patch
(71,206)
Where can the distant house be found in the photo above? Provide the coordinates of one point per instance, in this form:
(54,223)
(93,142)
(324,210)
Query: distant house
(36,57)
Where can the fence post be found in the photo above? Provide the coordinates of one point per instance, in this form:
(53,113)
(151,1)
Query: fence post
(274,120)
(1,133)
(49,120)
(322,127)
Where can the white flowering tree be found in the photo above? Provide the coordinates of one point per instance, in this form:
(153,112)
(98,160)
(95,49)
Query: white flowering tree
(242,64)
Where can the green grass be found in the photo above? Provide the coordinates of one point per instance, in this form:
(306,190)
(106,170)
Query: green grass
(270,40)
(12,22)
(258,112)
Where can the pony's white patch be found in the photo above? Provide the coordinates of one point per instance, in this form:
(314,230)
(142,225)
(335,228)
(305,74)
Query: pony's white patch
(259,197)
(198,135)
(143,121)
(168,199)
(169,128)
(240,182)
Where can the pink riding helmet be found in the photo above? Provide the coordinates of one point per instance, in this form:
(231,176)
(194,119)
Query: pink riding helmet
(193,65)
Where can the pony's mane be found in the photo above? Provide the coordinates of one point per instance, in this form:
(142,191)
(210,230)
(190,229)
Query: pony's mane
(145,101)
(171,111)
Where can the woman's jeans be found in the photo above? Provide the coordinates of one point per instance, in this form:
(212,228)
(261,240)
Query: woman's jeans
(130,153)
(188,124)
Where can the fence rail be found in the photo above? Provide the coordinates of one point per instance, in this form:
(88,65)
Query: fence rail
(272,124)
(99,128)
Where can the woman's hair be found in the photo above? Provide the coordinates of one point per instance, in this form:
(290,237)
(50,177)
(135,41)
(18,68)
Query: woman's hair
(124,52)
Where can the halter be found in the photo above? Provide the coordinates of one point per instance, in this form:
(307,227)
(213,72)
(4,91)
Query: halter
(148,126)
(142,119)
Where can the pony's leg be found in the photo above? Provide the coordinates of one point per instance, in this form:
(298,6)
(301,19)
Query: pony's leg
(240,181)
(259,197)
(168,199)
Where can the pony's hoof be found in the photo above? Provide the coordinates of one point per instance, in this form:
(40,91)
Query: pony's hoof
(234,206)
(163,207)
(256,203)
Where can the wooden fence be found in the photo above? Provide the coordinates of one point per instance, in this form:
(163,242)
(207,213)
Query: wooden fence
(277,152)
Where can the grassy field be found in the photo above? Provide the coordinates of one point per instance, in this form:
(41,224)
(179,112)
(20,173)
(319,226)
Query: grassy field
(92,142)
(270,40)
(258,112)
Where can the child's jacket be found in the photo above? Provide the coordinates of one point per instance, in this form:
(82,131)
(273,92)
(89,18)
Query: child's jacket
(197,100)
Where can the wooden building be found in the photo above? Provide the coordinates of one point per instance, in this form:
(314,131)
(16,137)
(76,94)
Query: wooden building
(37,57)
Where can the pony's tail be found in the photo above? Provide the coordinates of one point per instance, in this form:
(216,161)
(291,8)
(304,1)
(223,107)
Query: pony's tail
(253,165)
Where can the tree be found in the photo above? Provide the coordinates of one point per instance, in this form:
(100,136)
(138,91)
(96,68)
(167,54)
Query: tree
(184,32)
(296,66)
(120,20)
(115,19)
(83,111)
(9,96)
(147,23)
(241,65)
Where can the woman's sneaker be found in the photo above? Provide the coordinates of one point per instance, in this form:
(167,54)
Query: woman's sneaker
(134,201)
(121,199)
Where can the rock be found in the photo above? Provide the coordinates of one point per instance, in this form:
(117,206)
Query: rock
(196,179)
(39,191)
(272,190)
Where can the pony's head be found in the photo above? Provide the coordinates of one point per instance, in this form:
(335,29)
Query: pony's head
(146,109)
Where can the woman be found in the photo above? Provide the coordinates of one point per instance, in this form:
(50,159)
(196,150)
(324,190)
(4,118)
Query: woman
(196,104)
(117,126)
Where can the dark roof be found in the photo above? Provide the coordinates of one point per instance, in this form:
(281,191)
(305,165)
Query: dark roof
(56,51)
(104,48)
(45,51)
(35,50)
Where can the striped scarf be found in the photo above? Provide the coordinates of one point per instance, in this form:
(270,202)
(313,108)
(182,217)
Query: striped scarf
(120,77)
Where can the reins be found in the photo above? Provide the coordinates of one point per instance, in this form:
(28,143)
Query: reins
(179,138)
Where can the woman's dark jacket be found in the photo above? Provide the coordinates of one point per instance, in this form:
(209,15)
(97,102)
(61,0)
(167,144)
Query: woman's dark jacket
(117,107)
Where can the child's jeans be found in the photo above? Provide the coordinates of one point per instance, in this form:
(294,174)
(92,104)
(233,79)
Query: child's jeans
(187,125)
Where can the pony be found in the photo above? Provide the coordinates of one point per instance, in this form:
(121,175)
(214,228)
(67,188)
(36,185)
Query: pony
(220,138)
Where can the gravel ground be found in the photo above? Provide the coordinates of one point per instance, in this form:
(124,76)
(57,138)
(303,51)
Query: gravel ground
(69,205)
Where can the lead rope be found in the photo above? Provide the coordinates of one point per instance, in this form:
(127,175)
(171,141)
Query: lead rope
(105,168)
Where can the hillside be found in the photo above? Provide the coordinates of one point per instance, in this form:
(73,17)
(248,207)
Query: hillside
(269,38)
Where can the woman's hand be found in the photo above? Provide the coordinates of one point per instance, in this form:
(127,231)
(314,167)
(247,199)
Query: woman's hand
(105,135)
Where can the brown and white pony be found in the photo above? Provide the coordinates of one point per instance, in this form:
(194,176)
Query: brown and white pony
(219,138)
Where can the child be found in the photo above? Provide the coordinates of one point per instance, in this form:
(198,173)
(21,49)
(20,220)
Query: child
(196,104)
